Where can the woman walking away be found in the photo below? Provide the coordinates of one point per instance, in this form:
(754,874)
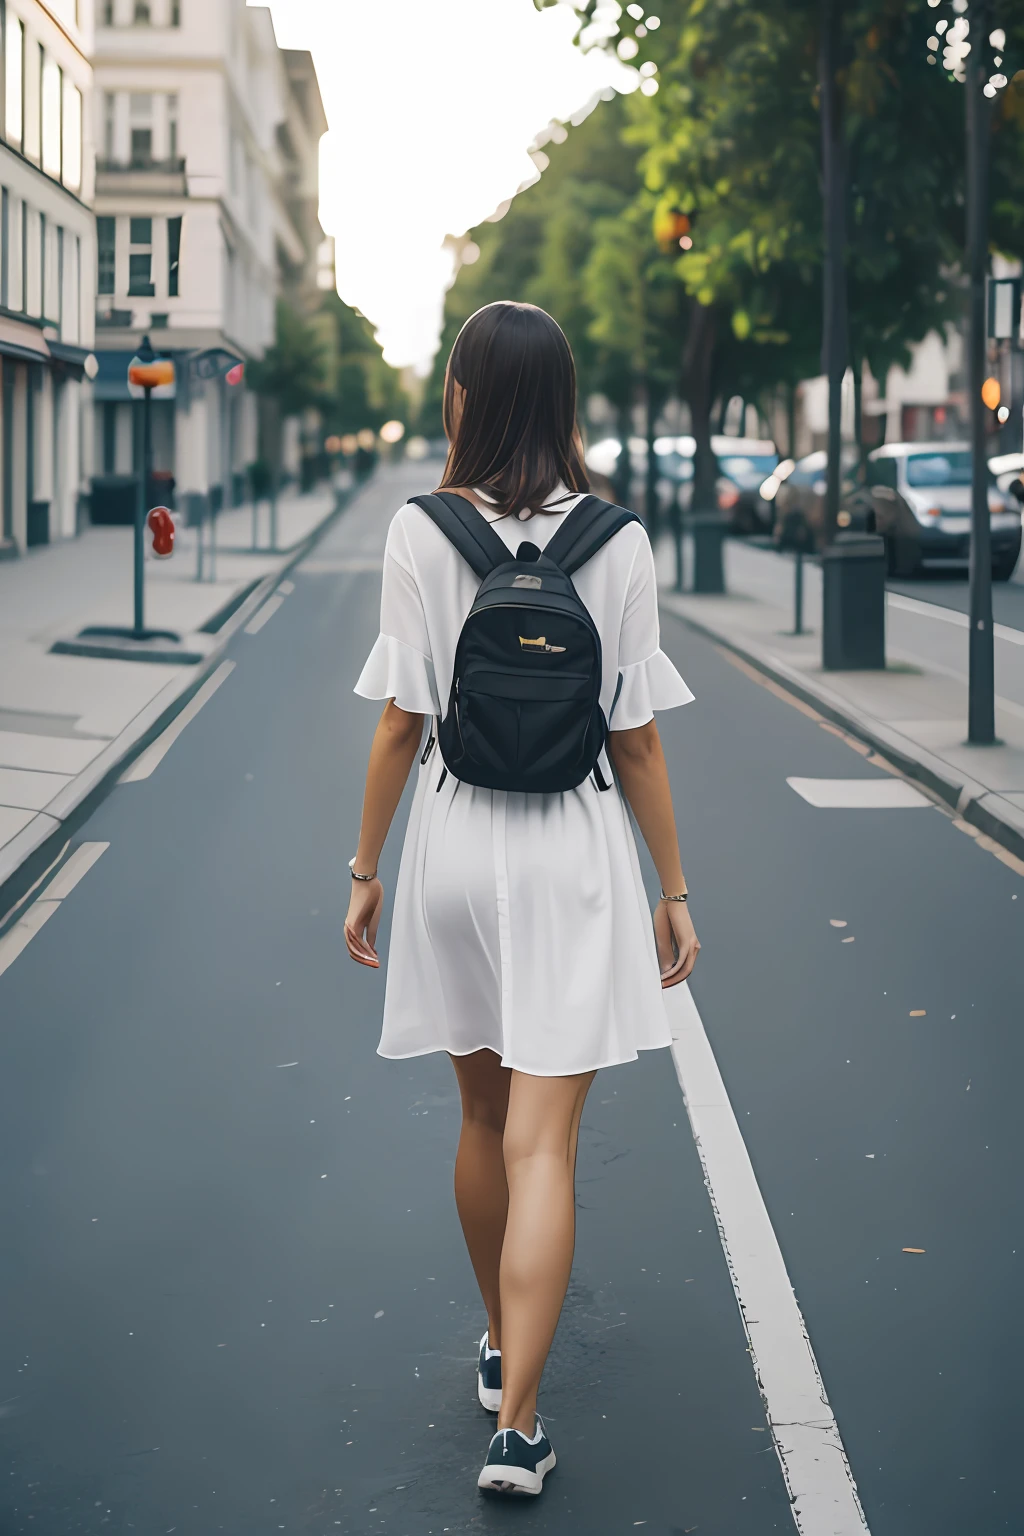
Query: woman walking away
(520,615)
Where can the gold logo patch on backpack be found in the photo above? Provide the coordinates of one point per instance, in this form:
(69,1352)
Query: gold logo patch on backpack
(540,644)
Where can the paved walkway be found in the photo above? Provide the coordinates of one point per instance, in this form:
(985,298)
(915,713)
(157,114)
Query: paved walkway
(916,710)
(60,715)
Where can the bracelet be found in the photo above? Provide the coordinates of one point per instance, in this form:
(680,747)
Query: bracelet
(674,898)
(352,867)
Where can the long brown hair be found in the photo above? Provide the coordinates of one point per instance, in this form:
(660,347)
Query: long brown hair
(516,438)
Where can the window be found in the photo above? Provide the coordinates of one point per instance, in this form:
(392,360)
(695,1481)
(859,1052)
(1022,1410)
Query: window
(108,13)
(173,256)
(142,16)
(15,219)
(33,98)
(172,127)
(13,76)
(106,241)
(175,13)
(140,261)
(72,137)
(141,119)
(53,89)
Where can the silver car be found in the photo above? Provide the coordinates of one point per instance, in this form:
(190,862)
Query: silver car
(921,498)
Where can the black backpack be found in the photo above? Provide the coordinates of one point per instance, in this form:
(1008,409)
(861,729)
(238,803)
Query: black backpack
(524,711)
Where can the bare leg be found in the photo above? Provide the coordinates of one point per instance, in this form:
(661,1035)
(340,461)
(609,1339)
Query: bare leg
(481,1190)
(541,1132)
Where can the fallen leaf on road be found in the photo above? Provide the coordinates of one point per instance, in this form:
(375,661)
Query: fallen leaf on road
(918,1013)
(837,922)
(850,940)
(914,1250)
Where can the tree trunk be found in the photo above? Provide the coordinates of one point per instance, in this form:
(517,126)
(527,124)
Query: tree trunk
(623,476)
(655,399)
(698,357)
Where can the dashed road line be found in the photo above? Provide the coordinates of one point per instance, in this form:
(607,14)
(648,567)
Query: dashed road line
(261,616)
(815,1467)
(888,794)
(18,937)
(155,753)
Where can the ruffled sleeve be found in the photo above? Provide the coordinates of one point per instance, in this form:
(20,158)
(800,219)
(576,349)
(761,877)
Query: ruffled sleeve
(395,671)
(400,666)
(649,680)
(647,686)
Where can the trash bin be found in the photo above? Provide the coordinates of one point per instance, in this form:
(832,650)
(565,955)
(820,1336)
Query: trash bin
(708,531)
(853,622)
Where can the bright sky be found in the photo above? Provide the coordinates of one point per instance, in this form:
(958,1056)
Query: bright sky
(432,105)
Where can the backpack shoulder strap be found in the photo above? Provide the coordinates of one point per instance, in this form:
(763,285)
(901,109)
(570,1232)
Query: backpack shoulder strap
(589,526)
(467,530)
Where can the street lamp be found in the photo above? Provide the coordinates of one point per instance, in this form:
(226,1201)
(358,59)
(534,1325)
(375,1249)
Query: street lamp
(960,43)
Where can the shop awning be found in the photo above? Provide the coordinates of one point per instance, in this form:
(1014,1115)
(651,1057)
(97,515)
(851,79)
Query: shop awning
(71,358)
(23,340)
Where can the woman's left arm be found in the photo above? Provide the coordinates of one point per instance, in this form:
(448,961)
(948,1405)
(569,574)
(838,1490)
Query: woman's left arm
(395,744)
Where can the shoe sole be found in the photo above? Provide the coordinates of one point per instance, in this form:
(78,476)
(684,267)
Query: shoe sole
(489,1397)
(513,1480)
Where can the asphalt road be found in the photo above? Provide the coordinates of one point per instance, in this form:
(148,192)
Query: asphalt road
(232,1281)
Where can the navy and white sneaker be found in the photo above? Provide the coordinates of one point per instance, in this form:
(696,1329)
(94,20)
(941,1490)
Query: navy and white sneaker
(488,1376)
(515,1464)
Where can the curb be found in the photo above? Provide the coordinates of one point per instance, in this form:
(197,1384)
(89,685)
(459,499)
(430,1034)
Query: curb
(971,801)
(40,839)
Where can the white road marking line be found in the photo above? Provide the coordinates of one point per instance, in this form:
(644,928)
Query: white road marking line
(24,931)
(268,610)
(28,925)
(286,588)
(79,865)
(155,753)
(811,1453)
(950,616)
(888,794)
(34,886)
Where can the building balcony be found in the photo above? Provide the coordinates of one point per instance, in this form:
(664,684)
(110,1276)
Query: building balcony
(144,176)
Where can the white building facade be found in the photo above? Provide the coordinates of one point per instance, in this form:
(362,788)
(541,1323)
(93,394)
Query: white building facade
(47,269)
(190,96)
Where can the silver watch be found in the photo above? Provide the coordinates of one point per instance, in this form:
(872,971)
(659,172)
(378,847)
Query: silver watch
(352,867)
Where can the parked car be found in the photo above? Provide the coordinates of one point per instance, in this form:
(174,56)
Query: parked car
(916,495)
(797,491)
(921,497)
(743,465)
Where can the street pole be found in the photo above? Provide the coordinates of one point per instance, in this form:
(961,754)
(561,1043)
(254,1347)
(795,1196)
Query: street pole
(834,318)
(141,508)
(981,720)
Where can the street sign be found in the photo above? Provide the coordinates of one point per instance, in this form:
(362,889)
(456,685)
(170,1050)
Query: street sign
(215,362)
(1004,308)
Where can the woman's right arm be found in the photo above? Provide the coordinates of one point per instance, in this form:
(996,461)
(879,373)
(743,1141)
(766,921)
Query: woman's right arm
(639,762)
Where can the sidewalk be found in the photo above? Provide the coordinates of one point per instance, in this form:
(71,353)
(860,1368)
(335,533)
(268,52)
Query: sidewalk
(915,712)
(66,721)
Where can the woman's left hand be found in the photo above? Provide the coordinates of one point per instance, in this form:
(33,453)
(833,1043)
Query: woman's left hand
(677,944)
(363,918)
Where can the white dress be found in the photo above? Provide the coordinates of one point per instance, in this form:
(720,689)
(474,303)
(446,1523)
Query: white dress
(521,923)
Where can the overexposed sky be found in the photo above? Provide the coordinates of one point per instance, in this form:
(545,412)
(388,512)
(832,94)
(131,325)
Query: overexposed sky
(432,106)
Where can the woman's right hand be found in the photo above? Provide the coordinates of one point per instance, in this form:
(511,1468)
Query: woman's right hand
(363,918)
(677,944)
